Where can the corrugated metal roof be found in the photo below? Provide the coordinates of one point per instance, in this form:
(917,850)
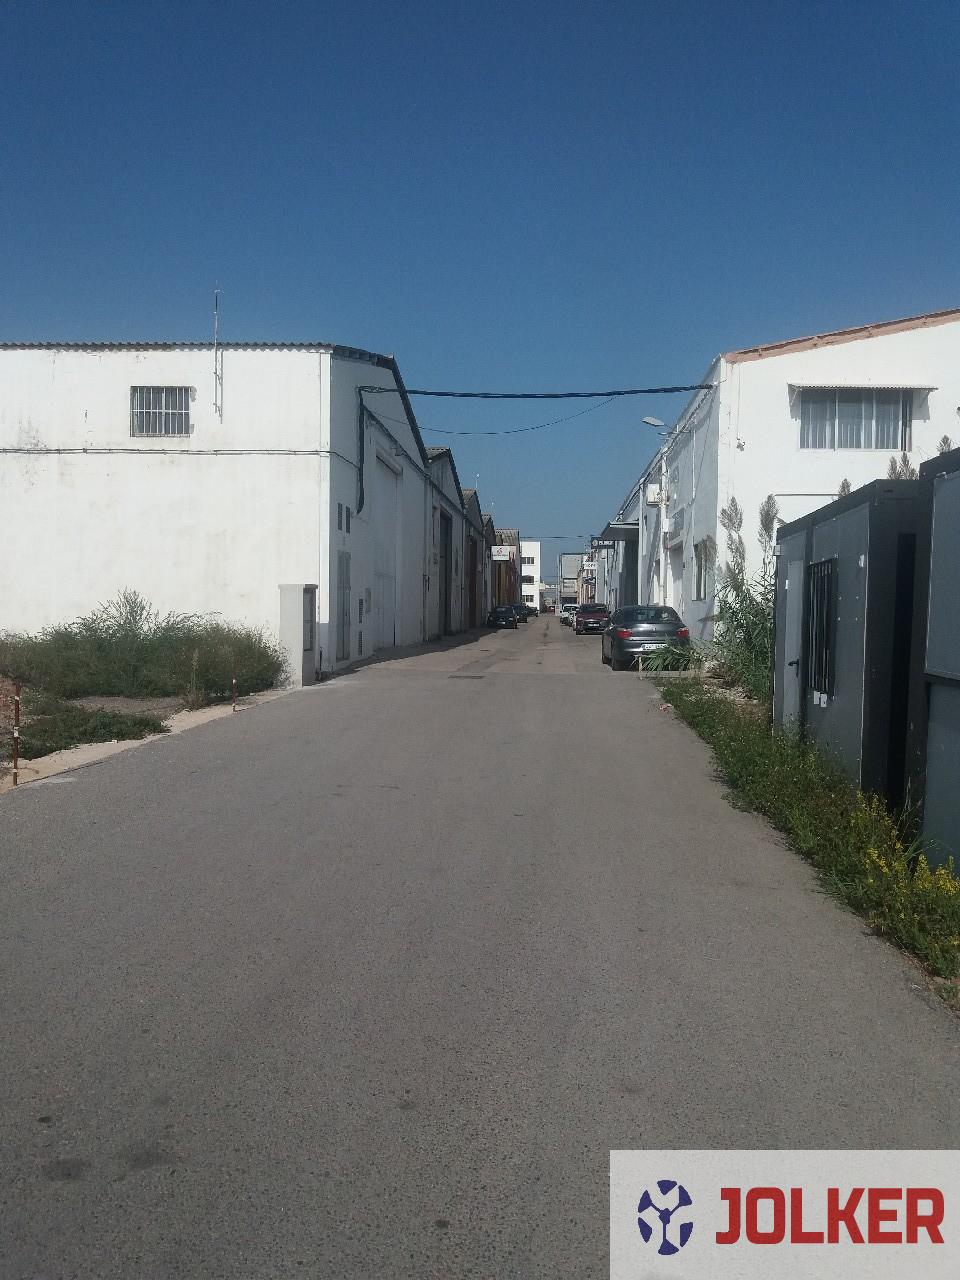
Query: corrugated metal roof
(834,336)
(354,353)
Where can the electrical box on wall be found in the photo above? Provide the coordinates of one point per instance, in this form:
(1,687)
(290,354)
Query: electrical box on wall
(652,495)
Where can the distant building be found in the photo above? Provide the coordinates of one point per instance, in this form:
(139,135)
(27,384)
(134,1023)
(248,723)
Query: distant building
(530,572)
(506,567)
(475,557)
(445,587)
(489,581)
(568,569)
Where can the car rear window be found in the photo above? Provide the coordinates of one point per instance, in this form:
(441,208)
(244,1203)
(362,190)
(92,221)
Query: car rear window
(593,608)
(648,613)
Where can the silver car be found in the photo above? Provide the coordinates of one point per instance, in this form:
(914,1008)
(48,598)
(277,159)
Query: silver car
(641,629)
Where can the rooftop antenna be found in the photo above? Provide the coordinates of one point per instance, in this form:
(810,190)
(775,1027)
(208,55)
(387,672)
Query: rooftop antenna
(217,357)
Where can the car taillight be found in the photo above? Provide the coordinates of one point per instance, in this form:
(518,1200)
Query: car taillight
(683,633)
(623,633)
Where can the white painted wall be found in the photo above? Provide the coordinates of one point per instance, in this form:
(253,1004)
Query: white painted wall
(193,528)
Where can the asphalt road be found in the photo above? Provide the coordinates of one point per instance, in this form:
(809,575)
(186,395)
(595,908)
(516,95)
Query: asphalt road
(368,981)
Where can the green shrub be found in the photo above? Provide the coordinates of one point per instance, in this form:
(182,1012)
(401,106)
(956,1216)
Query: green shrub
(126,648)
(853,840)
(672,657)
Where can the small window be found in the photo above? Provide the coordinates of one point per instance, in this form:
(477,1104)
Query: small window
(159,411)
(822,588)
(527,559)
(339,515)
(856,418)
(360,611)
(348,519)
(528,577)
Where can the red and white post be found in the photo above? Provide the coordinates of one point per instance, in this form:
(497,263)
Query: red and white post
(16,733)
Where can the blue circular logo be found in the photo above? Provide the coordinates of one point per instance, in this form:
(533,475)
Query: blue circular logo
(671,1198)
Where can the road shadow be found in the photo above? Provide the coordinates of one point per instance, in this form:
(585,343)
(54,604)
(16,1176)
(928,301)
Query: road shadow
(461,640)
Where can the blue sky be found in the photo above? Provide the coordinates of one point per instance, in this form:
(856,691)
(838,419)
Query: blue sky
(506,196)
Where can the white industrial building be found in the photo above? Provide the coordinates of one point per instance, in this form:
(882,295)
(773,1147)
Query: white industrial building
(530,582)
(793,420)
(254,480)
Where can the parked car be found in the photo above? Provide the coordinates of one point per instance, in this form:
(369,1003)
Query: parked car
(502,615)
(566,614)
(521,611)
(641,629)
(591,617)
(532,611)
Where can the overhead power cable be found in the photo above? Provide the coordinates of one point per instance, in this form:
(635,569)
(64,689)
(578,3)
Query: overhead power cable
(548,395)
(517,431)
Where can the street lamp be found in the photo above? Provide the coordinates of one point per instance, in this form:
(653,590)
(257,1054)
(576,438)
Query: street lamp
(655,422)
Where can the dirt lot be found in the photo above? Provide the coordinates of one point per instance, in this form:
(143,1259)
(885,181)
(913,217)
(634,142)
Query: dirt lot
(162,708)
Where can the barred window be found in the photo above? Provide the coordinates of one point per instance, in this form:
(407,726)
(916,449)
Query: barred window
(159,411)
(822,627)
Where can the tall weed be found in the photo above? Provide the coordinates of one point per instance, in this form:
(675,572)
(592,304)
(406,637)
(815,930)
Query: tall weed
(126,648)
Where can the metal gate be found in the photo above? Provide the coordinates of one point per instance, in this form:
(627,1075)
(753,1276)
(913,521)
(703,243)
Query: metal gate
(343,606)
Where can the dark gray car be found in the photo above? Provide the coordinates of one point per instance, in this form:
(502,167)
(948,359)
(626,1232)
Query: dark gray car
(638,630)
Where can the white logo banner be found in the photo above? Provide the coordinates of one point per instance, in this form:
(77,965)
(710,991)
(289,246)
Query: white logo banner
(802,1215)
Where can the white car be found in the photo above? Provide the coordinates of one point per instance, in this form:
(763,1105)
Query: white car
(567,612)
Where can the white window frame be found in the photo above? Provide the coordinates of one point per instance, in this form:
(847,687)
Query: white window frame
(160,412)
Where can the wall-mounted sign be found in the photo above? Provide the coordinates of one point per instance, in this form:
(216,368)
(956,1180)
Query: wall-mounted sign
(501,553)
(599,545)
